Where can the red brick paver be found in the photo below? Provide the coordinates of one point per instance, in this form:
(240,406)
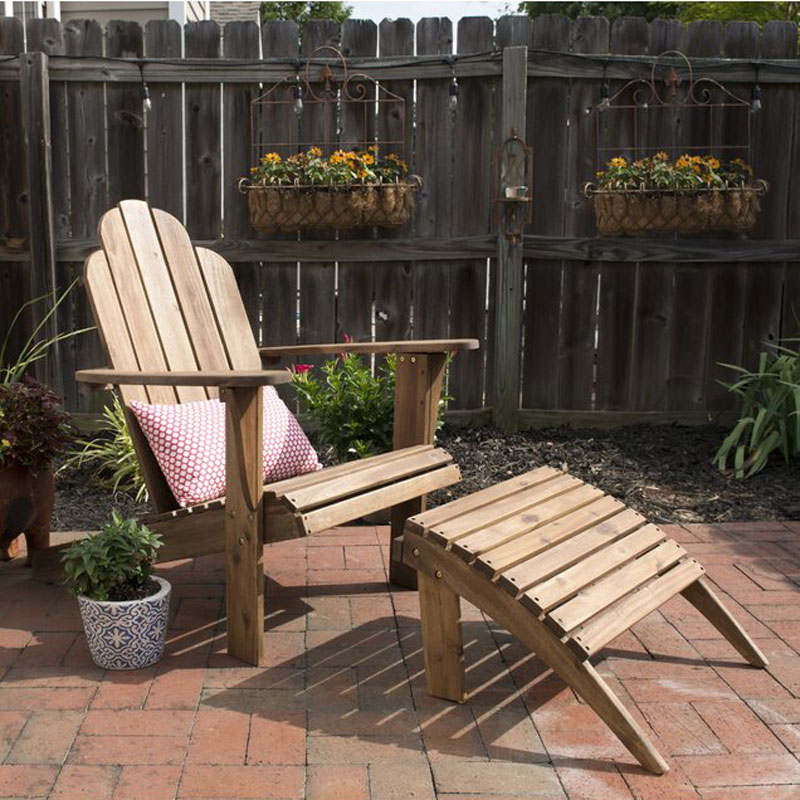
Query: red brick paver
(340,712)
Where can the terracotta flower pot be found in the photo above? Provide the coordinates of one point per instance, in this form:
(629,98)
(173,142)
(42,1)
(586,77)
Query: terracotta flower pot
(26,505)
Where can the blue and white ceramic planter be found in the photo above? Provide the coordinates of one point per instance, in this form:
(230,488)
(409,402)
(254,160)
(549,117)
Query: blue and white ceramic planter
(127,634)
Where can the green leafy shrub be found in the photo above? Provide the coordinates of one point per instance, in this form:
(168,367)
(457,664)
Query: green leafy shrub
(33,426)
(113,564)
(353,408)
(112,453)
(770,416)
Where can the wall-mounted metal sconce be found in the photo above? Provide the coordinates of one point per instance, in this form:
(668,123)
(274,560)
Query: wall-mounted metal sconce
(513,184)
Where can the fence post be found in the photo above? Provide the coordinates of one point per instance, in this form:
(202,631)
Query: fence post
(508,335)
(35,89)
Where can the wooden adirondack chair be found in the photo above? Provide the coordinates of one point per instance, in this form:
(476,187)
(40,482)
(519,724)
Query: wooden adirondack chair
(175,330)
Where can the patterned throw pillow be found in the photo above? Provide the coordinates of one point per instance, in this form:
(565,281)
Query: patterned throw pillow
(188,441)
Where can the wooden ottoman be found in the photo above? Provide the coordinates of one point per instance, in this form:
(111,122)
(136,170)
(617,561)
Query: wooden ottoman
(563,567)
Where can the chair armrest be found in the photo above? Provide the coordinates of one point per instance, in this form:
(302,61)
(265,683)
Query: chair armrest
(418,346)
(221,378)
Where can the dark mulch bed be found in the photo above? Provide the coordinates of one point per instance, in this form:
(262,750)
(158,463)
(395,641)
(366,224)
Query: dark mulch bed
(83,505)
(663,471)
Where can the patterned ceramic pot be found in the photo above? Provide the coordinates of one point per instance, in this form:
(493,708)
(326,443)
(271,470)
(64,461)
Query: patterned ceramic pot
(127,634)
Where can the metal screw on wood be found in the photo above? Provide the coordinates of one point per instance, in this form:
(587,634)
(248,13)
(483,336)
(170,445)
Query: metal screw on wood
(413,359)
(241,540)
(415,551)
(438,573)
(231,513)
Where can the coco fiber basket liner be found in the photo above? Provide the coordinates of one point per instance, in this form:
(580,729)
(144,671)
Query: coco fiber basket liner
(285,209)
(635,212)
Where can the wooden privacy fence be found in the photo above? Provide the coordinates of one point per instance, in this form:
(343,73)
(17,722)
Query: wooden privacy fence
(573,327)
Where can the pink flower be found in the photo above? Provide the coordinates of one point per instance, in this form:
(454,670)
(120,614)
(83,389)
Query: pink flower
(347,338)
(301,368)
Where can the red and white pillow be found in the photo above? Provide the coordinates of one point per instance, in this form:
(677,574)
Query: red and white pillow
(188,442)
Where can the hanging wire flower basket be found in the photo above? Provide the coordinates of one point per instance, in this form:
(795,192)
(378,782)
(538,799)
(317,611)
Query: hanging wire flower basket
(347,172)
(646,212)
(669,173)
(286,209)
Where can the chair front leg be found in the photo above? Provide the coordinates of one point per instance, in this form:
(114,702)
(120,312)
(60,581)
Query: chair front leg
(244,567)
(418,388)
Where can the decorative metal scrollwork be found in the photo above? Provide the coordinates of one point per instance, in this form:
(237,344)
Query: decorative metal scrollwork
(341,109)
(672,111)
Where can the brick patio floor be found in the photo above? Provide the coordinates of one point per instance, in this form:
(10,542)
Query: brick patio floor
(341,711)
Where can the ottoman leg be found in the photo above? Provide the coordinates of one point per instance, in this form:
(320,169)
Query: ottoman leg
(440,611)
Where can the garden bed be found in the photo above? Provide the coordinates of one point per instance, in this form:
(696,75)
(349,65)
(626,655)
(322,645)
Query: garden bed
(664,472)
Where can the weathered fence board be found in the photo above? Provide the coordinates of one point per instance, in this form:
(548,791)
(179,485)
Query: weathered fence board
(47,36)
(727,283)
(471,212)
(392,283)
(164,39)
(432,159)
(13,213)
(355,279)
(762,317)
(546,128)
(618,285)
(124,118)
(317,280)
(279,280)
(241,41)
(628,326)
(88,187)
(653,310)
(203,146)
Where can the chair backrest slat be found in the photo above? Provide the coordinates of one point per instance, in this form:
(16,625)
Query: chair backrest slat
(133,302)
(192,295)
(229,310)
(161,305)
(169,325)
(112,326)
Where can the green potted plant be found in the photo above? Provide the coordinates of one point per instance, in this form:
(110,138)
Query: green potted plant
(124,608)
(33,430)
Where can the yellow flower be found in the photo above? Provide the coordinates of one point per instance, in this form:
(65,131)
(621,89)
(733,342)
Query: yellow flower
(712,162)
(368,158)
(316,152)
(362,173)
(618,162)
(662,156)
(272,158)
(683,161)
(697,168)
(599,174)
(373,148)
(253,169)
